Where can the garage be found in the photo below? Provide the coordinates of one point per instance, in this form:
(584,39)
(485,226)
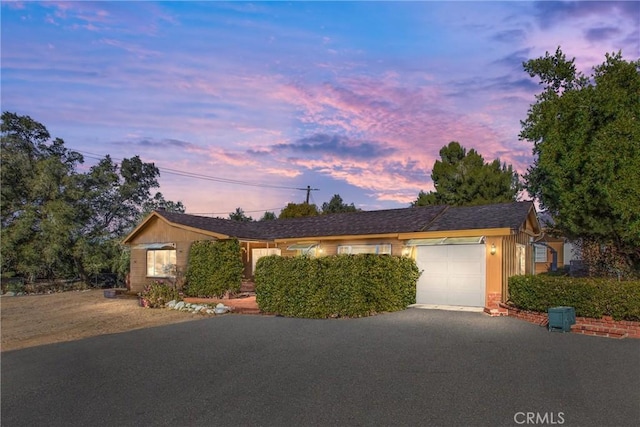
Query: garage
(453,271)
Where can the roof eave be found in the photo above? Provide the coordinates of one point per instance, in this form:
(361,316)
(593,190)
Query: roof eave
(467,232)
(337,237)
(143,224)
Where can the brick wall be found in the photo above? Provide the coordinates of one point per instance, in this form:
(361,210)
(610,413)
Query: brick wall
(604,327)
(492,306)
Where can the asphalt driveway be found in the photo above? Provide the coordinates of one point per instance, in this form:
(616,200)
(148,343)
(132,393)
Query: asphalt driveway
(417,367)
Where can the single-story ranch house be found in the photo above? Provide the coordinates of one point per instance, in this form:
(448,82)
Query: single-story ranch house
(466,254)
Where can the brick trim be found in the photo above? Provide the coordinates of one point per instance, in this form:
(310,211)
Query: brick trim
(604,327)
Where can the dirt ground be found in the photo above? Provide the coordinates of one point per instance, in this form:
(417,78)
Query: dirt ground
(33,320)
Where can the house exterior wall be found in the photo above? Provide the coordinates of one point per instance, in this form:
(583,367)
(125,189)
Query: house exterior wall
(543,267)
(511,262)
(500,266)
(494,271)
(158,231)
(247,255)
(330,247)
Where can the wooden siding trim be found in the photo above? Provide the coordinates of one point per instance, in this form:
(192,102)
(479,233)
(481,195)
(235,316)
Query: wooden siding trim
(139,229)
(317,239)
(456,233)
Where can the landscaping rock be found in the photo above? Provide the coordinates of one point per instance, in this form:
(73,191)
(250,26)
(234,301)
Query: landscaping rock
(10,294)
(171,304)
(221,309)
(179,305)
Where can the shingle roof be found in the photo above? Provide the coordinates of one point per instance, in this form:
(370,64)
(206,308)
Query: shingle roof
(389,221)
(406,220)
(501,215)
(241,230)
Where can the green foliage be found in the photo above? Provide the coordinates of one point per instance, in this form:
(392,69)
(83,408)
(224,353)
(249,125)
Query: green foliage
(158,293)
(159,202)
(463,178)
(586,140)
(336,205)
(214,268)
(335,286)
(240,216)
(58,222)
(591,297)
(38,199)
(298,210)
(268,216)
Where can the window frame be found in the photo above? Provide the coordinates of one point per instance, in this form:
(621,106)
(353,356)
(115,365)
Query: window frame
(538,251)
(166,267)
(378,249)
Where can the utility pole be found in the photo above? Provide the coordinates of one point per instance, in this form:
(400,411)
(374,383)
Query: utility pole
(308,190)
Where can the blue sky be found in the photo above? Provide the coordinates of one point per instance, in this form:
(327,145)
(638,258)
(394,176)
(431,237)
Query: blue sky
(351,98)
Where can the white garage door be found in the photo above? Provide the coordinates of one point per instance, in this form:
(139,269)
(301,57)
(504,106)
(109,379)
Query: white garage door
(451,275)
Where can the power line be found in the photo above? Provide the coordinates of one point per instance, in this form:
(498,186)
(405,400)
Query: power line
(226,213)
(201,176)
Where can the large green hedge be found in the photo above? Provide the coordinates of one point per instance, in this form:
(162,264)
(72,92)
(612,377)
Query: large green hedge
(591,297)
(335,286)
(214,268)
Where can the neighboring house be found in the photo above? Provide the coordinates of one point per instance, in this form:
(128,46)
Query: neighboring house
(552,253)
(466,253)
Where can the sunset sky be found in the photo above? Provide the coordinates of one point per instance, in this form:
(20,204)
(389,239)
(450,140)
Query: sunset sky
(351,98)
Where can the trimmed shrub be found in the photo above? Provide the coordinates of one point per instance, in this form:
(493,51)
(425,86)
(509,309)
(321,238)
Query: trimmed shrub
(591,297)
(214,268)
(335,286)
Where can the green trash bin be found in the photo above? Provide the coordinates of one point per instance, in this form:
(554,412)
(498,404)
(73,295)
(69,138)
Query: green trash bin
(561,318)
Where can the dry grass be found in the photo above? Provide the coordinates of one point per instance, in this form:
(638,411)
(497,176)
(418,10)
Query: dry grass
(29,321)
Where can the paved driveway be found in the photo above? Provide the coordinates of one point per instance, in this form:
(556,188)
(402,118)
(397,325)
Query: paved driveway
(417,367)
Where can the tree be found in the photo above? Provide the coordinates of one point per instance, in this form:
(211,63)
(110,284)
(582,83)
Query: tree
(57,222)
(463,178)
(336,205)
(159,202)
(298,210)
(38,193)
(268,216)
(586,142)
(240,216)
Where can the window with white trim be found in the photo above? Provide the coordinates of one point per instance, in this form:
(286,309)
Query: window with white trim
(381,249)
(541,253)
(161,263)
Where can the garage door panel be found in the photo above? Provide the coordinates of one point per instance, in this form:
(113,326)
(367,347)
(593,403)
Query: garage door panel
(452,275)
(465,267)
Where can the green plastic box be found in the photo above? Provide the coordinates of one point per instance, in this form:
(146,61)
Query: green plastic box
(561,318)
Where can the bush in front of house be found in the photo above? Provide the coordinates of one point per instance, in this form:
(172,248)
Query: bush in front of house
(335,286)
(158,293)
(591,297)
(214,268)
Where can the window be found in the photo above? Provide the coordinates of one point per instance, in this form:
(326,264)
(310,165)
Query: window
(308,249)
(521,259)
(446,241)
(541,253)
(382,249)
(161,263)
